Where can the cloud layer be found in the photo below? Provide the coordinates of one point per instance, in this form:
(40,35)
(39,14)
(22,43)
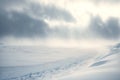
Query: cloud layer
(109,29)
(30,19)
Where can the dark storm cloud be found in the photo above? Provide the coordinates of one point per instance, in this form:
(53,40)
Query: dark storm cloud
(4,3)
(22,24)
(50,12)
(109,29)
(39,10)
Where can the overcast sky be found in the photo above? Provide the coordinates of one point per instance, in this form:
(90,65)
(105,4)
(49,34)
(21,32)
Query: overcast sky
(61,19)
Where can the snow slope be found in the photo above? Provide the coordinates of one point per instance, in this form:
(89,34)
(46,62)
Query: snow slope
(78,65)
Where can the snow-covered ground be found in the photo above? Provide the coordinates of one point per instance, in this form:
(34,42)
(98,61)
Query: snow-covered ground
(42,63)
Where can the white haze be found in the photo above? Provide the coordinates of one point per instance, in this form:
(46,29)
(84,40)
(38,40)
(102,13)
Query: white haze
(81,10)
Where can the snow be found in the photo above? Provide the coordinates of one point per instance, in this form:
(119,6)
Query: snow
(42,63)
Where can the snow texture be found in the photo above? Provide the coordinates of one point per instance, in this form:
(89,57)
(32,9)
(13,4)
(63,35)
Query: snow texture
(84,66)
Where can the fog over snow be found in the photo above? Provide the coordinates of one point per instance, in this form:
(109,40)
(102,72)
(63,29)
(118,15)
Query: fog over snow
(59,39)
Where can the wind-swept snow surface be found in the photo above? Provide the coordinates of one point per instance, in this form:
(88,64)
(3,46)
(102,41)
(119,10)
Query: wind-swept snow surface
(59,39)
(53,65)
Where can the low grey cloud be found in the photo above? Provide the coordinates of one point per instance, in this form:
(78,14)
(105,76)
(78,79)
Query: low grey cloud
(8,3)
(22,24)
(109,29)
(50,12)
(38,10)
(97,28)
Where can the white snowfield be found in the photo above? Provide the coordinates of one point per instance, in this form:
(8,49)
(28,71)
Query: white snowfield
(58,64)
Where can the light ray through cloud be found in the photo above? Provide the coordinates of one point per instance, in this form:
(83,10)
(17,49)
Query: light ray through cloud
(59,39)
